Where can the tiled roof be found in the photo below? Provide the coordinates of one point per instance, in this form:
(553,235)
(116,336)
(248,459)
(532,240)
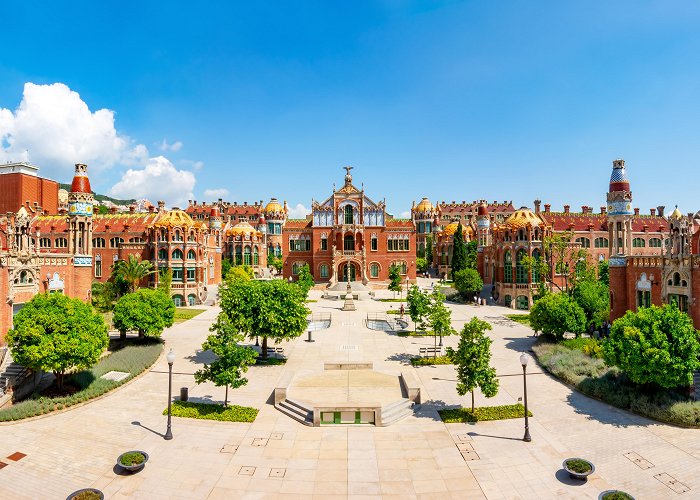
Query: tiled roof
(297,223)
(407,223)
(562,221)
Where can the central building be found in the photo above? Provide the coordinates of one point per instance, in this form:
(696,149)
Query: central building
(349,237)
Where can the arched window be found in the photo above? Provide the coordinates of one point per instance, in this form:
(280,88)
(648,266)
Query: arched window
(520,269)
(296,267)
(507,267)
(421,227)
(178,235)
(278,250)
(536,268)
(246,256)
(323,271)
(136,239)
(99,242)
(178,255)
(348,242)
(601,243)
(23,277)
(115,242)
(676,279)
(537,234)
(162,254)
(239,255)
(256,256)
(655,242)
(403,268)
(585,242)
(61,243)
(374,270)
(521,235)
(45,242)
(163,235)
(638,243)
(191,255)
(348,214)
(191,237)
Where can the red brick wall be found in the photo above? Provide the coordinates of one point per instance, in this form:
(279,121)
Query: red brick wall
(618,292)
(16,188)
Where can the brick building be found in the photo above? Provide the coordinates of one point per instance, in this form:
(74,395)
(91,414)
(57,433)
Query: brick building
(21,185)
(349,237)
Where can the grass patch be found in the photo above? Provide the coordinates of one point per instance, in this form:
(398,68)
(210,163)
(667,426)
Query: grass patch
(523,319)
(592,377)
(185,313)
(231,413)
(428,361)
(393,311)
(391,300)
(134,357)
(586,345)
(465,415)
(414,334)
(310,301)
(270,361)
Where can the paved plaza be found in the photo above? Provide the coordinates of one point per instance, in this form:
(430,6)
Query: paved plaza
(418,457)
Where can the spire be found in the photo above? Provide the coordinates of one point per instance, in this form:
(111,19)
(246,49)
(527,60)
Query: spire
(618,177)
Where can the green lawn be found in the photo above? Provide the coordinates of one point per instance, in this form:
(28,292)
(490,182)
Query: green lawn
(465,415)
(185,313)
(391,300)
(231,413)
(523,319)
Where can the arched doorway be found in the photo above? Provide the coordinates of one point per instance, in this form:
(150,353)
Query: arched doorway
(348,272)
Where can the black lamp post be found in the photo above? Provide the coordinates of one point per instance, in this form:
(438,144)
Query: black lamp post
(171,358)
(523,361)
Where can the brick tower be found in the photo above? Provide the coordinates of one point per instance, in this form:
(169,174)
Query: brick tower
(619,215)
(80,200)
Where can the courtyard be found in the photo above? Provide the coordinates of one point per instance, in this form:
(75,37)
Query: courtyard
(416,457)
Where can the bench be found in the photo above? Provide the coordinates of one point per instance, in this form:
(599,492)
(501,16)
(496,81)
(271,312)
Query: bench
(429,351)
(277,352)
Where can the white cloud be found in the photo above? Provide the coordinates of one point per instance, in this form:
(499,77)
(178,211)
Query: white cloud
(174,147)
(198,165)
(298,212)
(54,128)
(405,215)
(158,180)
(215,193)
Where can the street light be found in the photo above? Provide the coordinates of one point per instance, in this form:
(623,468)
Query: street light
(523,361)
(171,358)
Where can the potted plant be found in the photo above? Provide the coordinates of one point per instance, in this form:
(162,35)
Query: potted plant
(578,468)
(133,460)
(615,495)
(86,494)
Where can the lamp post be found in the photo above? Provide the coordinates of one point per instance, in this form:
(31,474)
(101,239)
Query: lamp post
(523,361)
(171,358)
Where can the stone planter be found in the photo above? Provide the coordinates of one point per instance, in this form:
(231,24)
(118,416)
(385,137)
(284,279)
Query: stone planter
(79,493)
(135,467)
(606,494)
(581,476)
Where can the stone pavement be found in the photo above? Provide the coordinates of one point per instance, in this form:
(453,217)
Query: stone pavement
(418,457)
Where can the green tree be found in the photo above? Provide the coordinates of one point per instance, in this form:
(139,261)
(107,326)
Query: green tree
(232,361)
(459,251)
(165,280)
(429,249)
(557,313)
(472,359)
(243,272)
(468,282)
(226,265)
(421,264)
(472,254)
(275,262)
(439,317)
(604,272)
(132,271)
(55,333)
(655,345)
(594,298)
(272,309)
(394,279)
(418,306)
(305,279)
(103,295)
(560,256)
(102,210)
(146,311)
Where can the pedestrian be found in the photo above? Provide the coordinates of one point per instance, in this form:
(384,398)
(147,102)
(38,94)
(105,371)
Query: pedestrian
(402,310)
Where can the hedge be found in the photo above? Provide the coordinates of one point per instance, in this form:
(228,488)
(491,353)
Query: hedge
(231,413)
(592,377)
(133,358)
(465,415)
(428,360)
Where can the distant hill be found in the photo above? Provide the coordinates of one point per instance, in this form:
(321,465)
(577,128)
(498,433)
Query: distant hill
(101,197)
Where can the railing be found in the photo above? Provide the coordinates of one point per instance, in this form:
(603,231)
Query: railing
(318,321)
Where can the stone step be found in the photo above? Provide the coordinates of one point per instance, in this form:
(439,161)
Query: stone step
(295,411)
(396,411)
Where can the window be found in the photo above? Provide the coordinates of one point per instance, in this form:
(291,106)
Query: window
(428,227)
(115,242)
(137,239)
(421,227)
(655,242)
(638,243)
(374,270)
(98,267)
(403,268)
(163,235)
(177,274)
(348,242)
(190,274)
(585,242)
(247,256)
(507,267)
(45,242)
(178,255)
(676,279)
(398,245)
(643,298)
(348,214)
(601,243)
(191,299)
(324,243)
(323,271)
(99,242)
(191,255)
(239,255)
(300,245)
(296,267)
(162,254)
(178,235)
(536,267)
(274,228)
(178,300)
(191,237)
(256,256)
(61,243)
(374,243)
(520,269)
(521,235)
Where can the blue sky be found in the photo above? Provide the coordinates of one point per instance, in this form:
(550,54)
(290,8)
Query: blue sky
(507,100)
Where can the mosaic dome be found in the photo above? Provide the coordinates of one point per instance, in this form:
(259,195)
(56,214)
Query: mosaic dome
(424,205)
(522,218)
(273,206)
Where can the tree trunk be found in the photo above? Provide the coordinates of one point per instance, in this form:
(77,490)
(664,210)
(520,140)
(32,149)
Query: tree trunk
(434,343)
(140,334)
(59,380)
(472,402)
(226,397)
(122,335)
(264,349)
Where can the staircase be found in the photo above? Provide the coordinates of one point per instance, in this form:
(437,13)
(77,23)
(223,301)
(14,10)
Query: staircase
(297,411)
(11,373)
(396,411)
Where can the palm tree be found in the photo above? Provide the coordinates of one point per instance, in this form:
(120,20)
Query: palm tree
(132,271)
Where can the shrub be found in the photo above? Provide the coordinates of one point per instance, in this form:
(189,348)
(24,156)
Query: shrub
(587,345)
(146,311)
(132,458)
(555,314)
(465,415)
(427,361)
(468,282)
(578,465)
(231,413)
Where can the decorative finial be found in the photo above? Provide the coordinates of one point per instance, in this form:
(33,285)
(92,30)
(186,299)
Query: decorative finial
(348,176)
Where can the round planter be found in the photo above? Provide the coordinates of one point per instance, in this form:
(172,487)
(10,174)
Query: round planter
(133,468)
(581,476)
(607,492)
(85,490)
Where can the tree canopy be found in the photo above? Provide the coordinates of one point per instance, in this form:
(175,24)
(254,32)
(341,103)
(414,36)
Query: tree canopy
(472,358)
(468,282)
(272,309)
(655,345)
(418,306)
(439,316)
(459,251)
(557,313)
(472,254)
(146,311)
(594,298)
(55,333)
(243,272)
(132,271)
(394,279)
(305,279)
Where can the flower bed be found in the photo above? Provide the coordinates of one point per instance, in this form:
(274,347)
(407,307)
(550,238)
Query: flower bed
(230,413)
(465,415)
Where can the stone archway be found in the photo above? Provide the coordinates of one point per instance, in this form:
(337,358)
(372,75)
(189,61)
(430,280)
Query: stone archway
(348,271)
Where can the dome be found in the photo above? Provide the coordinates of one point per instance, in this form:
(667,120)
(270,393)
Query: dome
(81,183)
(521,218)
(175,218)
(676,214)
(451,229)
(424,205)
(273,206)
(242,228)
(618,177)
